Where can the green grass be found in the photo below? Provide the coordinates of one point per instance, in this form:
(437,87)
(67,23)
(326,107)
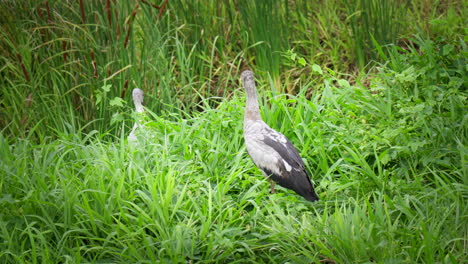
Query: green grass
(53,54)
(381,125)
(389,163)
(266,21)
(373,22)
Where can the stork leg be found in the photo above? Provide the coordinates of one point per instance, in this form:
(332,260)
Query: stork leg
(272,186)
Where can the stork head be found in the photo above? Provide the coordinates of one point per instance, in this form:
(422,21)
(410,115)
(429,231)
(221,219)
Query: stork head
(249,84)
(138,99)
(247,76)
(137,96)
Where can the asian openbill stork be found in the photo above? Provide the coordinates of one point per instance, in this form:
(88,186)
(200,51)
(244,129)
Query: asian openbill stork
(270,150)
(137,95)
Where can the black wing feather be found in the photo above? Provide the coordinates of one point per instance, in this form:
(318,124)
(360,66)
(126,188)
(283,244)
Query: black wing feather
(288,152)
(297,179)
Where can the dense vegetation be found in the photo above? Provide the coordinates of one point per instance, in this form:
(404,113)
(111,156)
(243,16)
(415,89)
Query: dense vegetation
(372,94)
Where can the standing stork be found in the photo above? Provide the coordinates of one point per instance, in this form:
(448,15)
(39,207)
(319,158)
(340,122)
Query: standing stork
(137,95)
(270,150)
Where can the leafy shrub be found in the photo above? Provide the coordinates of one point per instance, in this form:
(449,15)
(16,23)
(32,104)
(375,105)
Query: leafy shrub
(423,117)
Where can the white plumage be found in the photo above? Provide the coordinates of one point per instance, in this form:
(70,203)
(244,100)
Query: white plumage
(270,150)
(137,95)
(255,132)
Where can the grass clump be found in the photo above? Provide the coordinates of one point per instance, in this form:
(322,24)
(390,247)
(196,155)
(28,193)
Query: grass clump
(388,160)
(266,22)
(79,55)
(373,22)
(386,149)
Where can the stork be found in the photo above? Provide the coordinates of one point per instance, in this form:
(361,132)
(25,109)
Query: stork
(270,150)
(137,95)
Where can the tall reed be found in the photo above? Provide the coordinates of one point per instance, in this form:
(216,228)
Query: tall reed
(373,21)
(267,23)
(82,58)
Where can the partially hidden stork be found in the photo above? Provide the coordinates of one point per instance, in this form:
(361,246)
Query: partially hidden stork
(270,150)
(137,95)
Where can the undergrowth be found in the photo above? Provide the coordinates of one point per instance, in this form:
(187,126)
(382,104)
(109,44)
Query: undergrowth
(388,160)
(62,62)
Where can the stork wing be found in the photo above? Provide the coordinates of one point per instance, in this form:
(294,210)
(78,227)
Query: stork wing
(285,148)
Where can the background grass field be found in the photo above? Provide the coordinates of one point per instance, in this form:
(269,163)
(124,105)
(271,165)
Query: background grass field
(373,94)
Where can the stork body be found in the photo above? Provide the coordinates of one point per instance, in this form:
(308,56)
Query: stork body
(270,150)
(137,95)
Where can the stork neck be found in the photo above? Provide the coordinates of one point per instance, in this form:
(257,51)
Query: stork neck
(252,109)
(139,107)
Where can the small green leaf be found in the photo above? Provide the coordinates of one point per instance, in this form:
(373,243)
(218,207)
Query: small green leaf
(317,69)
(225,123)
(343,83)
(447,49)
(437,22)
(293,56)
(7,198)
(117,117)
(106,87)
(302,61)
(98,98)
(117,101)
(384,157)
(415,145)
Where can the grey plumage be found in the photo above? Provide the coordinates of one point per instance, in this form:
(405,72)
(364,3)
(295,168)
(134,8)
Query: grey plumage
(270,150)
